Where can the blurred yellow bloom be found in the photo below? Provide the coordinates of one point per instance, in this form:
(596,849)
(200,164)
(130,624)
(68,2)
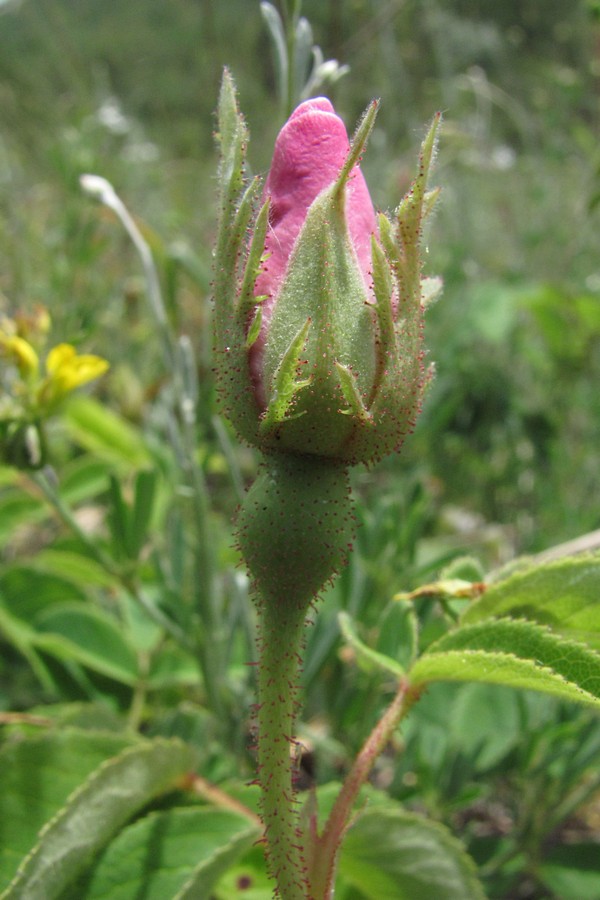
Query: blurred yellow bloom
(34,325)
(21,353)
(67,370)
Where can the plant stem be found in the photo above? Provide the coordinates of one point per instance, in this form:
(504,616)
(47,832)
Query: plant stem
(280,642)
(324,851)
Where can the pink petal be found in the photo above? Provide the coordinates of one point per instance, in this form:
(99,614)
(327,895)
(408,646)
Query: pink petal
(310,151)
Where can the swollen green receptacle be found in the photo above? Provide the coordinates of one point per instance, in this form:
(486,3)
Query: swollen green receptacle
(295,527)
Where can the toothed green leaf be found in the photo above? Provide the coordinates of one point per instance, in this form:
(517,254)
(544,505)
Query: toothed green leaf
(564,594)
(94,812)
(517,653)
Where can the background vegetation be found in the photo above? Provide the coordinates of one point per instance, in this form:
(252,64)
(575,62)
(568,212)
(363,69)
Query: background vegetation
(504,460)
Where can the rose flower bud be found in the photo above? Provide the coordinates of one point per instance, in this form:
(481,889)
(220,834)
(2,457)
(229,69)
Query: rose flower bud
(329,304)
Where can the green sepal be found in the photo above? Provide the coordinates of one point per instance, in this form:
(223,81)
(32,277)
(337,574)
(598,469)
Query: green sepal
(254,330)
(430,198)
(388,241)
(356,406)
(357,145)
(396,270)
(254,260)
(230,321)
(410,213)
(323,283)
(382,285)
(285,385)
(232,137)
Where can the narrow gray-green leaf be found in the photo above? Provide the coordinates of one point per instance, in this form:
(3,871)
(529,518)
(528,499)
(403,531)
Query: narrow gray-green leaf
(191,848)
(390,854)
(516,653)
(564,594)
(94,812)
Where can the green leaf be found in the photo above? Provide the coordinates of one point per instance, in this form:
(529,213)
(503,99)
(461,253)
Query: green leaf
(19,635)
(143,508)
(94,812)
(83,478)
(369,660)
(398,633)
(37,774)
(104,433)
(17,508)
(118,517)
(27,591)
(564,595)
(172,666)
(517,653)
(191,849)
(74,567)
(89,637)
(572,872)
(250,872)
(390,854)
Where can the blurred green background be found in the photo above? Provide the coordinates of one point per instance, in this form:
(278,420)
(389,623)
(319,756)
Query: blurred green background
(510,429)
(504,459)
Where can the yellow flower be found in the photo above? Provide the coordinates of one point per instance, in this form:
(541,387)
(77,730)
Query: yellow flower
(21,353)
(67,370)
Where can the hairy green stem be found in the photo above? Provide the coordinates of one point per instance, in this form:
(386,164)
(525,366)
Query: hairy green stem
(279,665)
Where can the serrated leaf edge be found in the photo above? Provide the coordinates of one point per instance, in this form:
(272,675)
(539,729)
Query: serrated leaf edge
(520,574)
(493,655)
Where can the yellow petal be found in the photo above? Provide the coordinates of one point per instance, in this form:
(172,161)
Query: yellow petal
(67,370)
(59,356)
(21,352)
(81,369)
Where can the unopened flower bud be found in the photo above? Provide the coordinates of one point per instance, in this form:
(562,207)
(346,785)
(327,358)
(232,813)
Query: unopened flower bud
(319,333)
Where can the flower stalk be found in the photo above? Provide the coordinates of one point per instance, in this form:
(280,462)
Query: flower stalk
(294,529)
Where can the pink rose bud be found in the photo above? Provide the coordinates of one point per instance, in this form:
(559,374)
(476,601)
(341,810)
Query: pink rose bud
(319,338)
(309,154)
